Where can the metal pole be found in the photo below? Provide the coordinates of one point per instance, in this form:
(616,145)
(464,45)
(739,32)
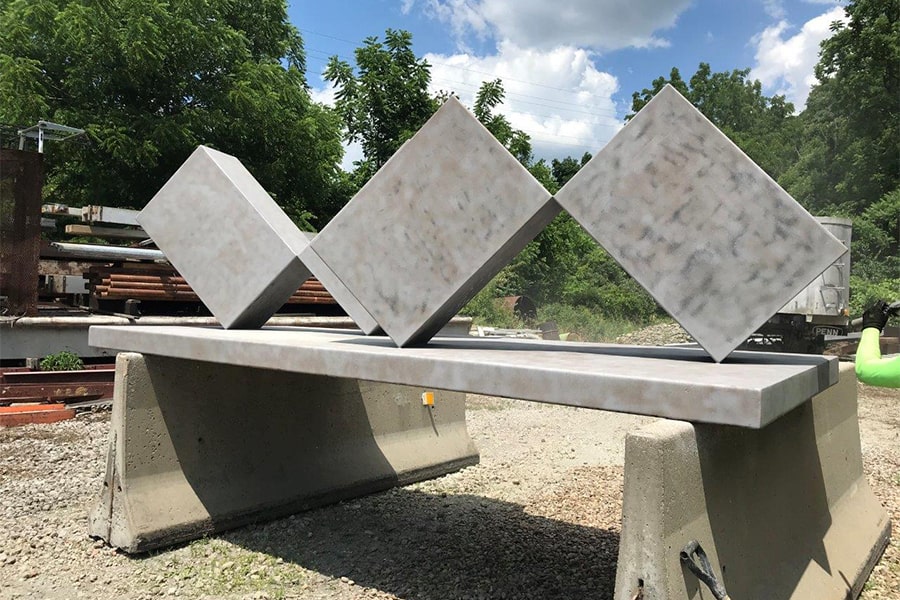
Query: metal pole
(108,252)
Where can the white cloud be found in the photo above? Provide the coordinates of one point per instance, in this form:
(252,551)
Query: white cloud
(600,24)
(774,8)
(556,96)
(464,16)
(785,64)
(324,95)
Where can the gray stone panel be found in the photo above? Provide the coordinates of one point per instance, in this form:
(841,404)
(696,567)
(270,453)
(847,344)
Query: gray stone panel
(698,224)
(339,292)
(227,238)
(429,230)
(750,389)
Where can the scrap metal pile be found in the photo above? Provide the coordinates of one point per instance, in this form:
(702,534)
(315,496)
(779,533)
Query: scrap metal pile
(28,395)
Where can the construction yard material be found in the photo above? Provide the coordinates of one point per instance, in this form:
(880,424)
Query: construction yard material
(26,414)
(26,385)
(161,282)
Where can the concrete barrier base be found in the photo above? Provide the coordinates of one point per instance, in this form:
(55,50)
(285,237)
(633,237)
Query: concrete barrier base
(197,448)
(783,512)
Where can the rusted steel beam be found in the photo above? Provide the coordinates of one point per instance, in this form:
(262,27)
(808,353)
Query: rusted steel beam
(311,294)
(13,416)
(144,278)
(310,300)
(157,294)
(106,374)
(21,180)
(32,392)
(142,285)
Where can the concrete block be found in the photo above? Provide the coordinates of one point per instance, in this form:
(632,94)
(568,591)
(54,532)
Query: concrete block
(697,223)
(750,389)
(197,448)
(782,512)
(431,228)
(344,297)
(227,238)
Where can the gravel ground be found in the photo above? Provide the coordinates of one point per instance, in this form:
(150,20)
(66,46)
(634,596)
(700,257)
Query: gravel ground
(538,518)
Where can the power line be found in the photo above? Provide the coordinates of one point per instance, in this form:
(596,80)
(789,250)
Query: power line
(469,87)
(325,35)
(537,137)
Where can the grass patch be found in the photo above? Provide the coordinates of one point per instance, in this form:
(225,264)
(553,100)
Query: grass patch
(585,323)
(212,567)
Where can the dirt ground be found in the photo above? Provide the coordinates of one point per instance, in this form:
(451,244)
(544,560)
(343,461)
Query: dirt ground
(538,518)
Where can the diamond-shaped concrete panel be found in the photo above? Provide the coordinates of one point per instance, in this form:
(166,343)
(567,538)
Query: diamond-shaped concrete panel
(439,219)
(227,238)
(697,223)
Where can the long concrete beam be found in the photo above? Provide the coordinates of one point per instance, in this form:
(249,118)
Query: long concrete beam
(749,389)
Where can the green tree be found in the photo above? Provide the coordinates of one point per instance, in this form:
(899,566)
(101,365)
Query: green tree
(386,101)
(490,96)
(149,80)
(849,157)
(859,87)
(563,170)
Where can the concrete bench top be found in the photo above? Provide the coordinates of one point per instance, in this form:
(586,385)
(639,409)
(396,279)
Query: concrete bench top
(748,389)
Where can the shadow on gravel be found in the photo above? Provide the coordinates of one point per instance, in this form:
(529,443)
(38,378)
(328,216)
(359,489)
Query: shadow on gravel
(420,546)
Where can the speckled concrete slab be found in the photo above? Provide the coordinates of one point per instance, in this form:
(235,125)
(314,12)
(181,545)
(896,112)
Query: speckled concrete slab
(749,389)
(429,230)
(697,223)
(227,238)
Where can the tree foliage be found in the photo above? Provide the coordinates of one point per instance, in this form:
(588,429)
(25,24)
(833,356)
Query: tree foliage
(385,101)
(849,156)
(150,80)
(490,95)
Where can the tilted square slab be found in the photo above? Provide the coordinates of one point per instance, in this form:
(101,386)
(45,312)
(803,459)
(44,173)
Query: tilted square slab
(449,210)
(227,238)
(698,224)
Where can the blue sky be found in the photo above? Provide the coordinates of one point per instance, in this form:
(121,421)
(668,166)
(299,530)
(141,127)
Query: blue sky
(569,68)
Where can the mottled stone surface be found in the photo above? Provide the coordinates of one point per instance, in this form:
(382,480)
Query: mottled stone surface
(429,230)
(749,389)
(227,238)
(698,224)
(339,292)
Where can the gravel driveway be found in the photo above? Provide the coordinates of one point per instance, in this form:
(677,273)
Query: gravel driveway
(538,518)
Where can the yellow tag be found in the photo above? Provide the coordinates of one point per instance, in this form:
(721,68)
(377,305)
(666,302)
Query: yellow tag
(427,398)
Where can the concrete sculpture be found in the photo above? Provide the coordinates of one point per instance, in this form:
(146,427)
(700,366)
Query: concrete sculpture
(431,228)
(697,223)
(227,238)
(693,219)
